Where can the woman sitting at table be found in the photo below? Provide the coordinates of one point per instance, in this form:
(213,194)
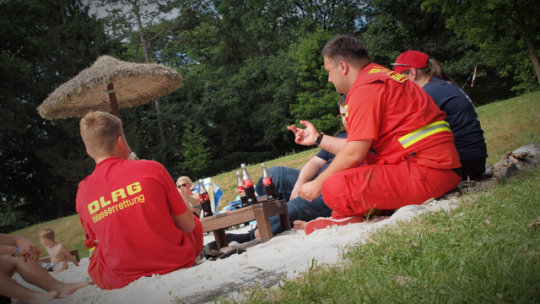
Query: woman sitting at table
(184,184)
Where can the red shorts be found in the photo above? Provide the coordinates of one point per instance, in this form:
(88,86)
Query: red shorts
(97,272)
(358,190)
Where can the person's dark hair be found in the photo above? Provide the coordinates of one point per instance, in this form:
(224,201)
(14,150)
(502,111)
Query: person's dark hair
(348,48)
(342,100)
(436,71)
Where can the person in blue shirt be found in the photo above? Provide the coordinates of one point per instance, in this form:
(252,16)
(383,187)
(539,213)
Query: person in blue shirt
(459,108)
(288,181)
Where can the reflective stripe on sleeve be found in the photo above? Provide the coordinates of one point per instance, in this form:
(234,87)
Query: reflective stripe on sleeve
(423,132)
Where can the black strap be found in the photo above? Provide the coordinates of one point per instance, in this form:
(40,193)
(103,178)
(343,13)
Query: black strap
(457,171)
(319,138)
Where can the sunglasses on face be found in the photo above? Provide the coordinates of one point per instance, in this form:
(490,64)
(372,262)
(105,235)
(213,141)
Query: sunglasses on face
(181,185)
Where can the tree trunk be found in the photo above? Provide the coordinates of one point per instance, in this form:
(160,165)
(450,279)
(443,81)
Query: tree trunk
(59,209)
(141,32)
(63,14)
(522,23)
(148,60)
(59,203)
(275,149)
(160,120)
(531,51)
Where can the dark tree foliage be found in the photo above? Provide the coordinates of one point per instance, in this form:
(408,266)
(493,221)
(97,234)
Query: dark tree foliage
(401,25)
(43,44)
(318,100)
(338,17)
(506,30)
(239,62)
(250,68)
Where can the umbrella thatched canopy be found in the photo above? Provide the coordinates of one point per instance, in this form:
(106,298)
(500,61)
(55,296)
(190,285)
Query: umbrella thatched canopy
(107,85)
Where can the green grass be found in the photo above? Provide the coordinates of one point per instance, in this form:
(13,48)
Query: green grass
(507,124)
(68,230)
(481,252)
(510,124)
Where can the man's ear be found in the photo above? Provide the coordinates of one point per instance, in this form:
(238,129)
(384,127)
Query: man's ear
(120,143)
(412,74)
(89,154)
(344,67)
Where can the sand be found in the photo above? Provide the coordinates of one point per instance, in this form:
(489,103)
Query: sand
(284,256)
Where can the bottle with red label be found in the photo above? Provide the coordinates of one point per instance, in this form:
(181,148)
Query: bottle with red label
(205,200)
(268,184)
(248,186)
(240,188)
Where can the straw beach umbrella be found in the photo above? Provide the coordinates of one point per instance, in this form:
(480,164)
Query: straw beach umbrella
(108,85)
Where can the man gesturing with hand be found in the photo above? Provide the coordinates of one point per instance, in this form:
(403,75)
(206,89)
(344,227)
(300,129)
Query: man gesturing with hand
(413,157)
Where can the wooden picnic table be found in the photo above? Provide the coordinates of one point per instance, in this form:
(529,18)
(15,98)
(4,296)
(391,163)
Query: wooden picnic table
(261,212)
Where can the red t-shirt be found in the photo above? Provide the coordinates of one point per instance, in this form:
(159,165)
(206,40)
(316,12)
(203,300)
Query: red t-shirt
(127,207)
(383,109)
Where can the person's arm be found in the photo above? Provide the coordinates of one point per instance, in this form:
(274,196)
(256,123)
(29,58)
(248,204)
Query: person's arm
(352,155)
(66,252)
(177,205)
(307,137)
(90,239)
(26,248)
(308,172)
(7,250)
(190,201)
(184,221)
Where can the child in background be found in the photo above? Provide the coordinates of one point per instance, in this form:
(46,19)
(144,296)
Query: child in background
(58,252)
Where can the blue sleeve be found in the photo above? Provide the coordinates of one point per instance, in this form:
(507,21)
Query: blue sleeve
(327,156)
(462,117)
(323,154)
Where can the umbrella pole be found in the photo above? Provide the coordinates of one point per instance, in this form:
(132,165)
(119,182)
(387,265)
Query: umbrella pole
(112,99)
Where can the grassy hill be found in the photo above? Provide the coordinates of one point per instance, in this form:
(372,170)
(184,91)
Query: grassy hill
(485,251)
(507,124)
(510,124)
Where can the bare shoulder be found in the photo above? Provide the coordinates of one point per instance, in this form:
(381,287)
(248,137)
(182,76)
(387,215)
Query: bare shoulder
(63,248)
(57,252)
(57,247)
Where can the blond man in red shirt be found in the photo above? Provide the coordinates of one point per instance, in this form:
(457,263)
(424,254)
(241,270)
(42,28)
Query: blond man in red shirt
(132,207)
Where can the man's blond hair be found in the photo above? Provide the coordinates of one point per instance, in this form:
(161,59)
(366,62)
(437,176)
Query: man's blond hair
(99,131)
(47,233)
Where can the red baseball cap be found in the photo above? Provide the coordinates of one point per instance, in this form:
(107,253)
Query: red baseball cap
(410,59)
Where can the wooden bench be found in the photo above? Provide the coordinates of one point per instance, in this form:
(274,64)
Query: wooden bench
(74,252)
(260,212)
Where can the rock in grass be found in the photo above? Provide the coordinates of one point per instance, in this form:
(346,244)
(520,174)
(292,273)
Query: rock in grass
(535,223)
(522,159)
(504,168)
(531,154)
